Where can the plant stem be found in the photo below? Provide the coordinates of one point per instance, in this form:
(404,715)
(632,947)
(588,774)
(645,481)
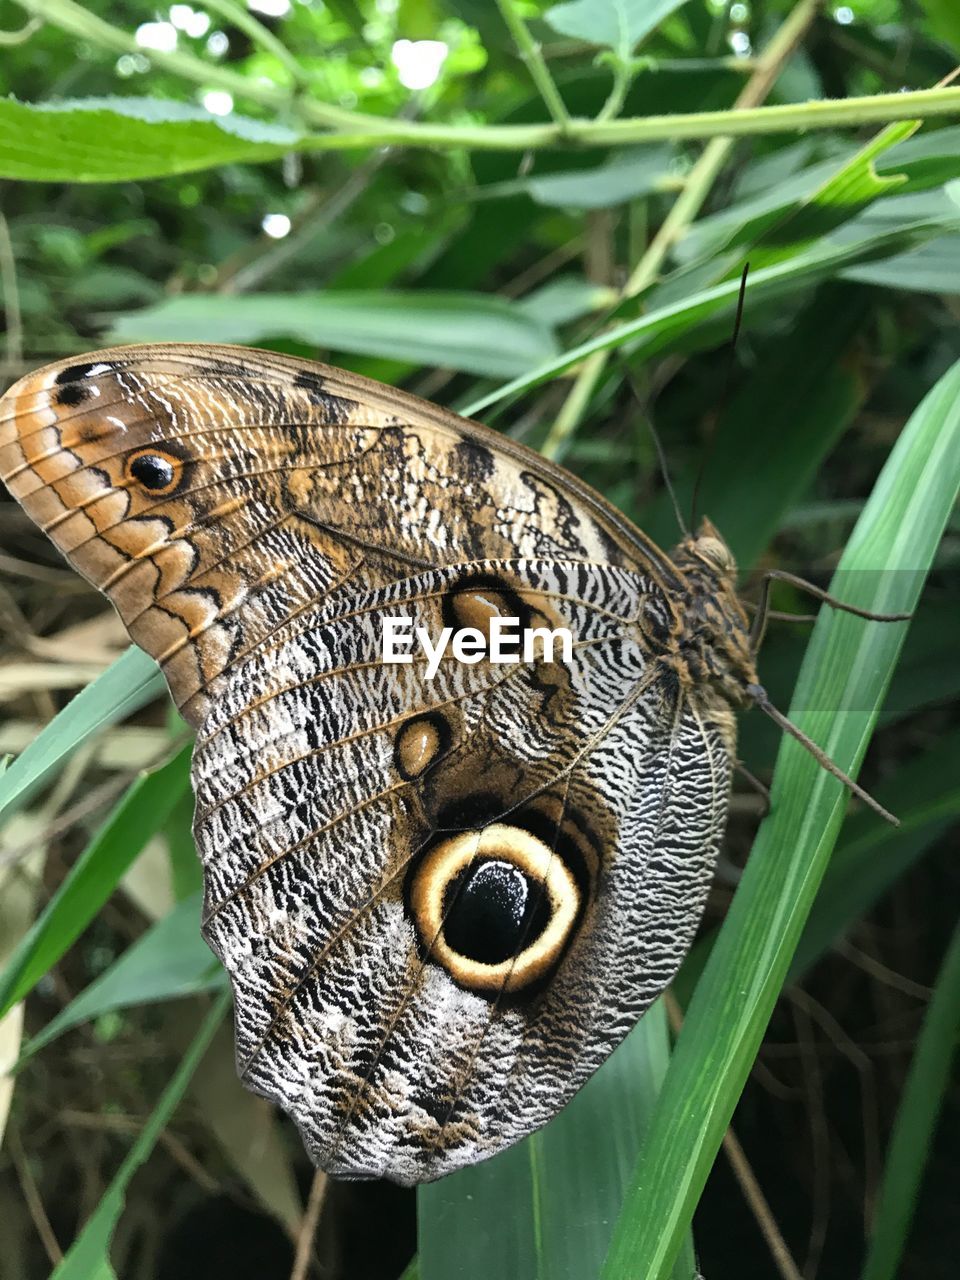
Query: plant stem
(532,55)
(704,173)
(10,38)
(244,21)
(622,75)
(684,210)
(351,129)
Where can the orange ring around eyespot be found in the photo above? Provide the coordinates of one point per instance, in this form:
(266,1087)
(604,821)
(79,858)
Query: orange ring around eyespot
(175,463)
(539,863)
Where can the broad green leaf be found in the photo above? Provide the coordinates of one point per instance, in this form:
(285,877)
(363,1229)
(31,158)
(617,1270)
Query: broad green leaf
(933,267)
(567,298)
(473,332)
(118,139)
(944,19)
(94,876)
(88,1256)
(920,1103)
(618,24)
(839,694)
(128,684)
(170,960)
(544,1209)
(626,175)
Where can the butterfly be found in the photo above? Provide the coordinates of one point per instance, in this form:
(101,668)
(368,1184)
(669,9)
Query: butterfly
(442,900)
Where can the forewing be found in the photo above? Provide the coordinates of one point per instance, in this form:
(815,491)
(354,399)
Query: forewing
(214,493)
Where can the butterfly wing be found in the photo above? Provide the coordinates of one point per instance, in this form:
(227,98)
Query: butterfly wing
(215,492)
(442,901)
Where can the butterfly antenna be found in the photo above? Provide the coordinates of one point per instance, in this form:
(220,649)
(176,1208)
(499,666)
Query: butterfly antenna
(724,395)
(760,698)
(658,446)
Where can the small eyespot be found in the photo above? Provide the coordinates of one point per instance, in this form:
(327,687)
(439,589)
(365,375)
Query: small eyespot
(153,471)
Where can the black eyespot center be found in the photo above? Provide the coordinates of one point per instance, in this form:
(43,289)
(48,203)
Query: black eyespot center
(493,911)
(152,471)
(72,394)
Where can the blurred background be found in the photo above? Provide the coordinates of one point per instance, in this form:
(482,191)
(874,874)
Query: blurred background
(178,191)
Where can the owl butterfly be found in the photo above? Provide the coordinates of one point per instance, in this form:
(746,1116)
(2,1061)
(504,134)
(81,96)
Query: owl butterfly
(442,902)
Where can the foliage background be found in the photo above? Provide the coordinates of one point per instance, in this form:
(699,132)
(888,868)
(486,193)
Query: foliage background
(189,189)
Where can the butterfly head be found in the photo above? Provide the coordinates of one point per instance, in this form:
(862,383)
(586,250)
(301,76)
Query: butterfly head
(707,550)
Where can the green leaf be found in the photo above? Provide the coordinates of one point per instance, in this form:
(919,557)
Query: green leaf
(627,175)
(944,19)
(618,24)
(669,326)
(118,139)
(746,485)
(869,858)
(93,877)
(128,684)
(169,961)
(567,298)
(845,193)
(913,164)
(913,1128)
(839,694)
(473,332)
(544,1209)
(933,267)
(88,1256)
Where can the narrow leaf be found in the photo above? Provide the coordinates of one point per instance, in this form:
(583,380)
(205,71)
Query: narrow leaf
(474,332)
(913,1128)
(127,684)
(838,697)
(171,960)
(94,876)
(88,1257)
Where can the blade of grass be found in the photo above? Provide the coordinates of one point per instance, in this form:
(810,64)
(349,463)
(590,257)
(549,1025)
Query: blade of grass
(667,326)
(126,685)
(839,694)
(868,859)
(925,796)
(170,960)
(93,877)
(544,1210)
(88,1258)
(913,1128)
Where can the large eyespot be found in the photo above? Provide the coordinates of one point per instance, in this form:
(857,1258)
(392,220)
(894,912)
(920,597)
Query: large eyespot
(154,470)
(495,907)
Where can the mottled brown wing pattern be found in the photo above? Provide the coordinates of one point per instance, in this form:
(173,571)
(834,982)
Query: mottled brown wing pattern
(214,492)
(603,765)
(442,902)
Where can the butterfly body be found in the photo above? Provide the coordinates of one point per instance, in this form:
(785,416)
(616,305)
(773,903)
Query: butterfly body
(442,902)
